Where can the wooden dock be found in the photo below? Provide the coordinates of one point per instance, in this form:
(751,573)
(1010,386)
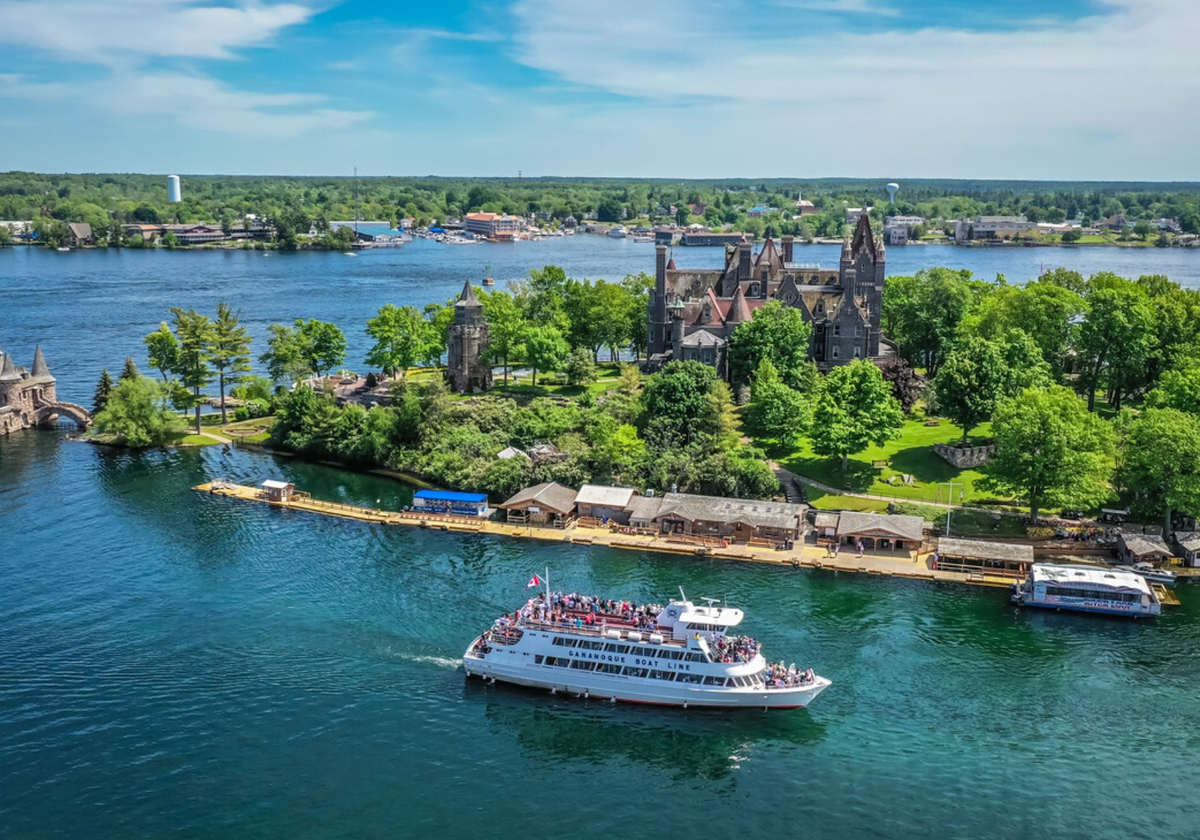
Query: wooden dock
(895,564)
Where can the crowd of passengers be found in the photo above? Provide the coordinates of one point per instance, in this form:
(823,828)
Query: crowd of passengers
(574,609)
(733,649)
(779,675)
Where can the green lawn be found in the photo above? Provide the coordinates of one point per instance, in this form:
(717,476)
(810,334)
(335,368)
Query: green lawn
(912,454)
(193,440)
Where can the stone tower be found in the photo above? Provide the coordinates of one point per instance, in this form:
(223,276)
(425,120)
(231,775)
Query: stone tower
(467,341)
(25,395)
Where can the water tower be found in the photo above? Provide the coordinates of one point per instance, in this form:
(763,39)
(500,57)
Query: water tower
(891,191)
(173,193)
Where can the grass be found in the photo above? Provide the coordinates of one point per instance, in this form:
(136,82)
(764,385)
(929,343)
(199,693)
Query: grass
(184,439)
(967,523)
(911,453)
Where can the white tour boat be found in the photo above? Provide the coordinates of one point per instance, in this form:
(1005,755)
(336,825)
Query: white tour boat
(677,655)
(1087,589)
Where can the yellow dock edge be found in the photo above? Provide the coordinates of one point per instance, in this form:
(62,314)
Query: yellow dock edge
(908,567)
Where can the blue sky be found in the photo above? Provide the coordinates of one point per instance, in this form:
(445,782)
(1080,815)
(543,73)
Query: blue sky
(1074,89)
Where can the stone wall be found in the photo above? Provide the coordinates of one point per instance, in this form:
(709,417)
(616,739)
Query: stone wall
(964,457)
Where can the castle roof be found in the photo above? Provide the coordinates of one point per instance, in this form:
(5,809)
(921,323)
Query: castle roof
(863,237)
(40,368)
(702,338)
(8,373)
(467,298)
(671,264)
(738,310)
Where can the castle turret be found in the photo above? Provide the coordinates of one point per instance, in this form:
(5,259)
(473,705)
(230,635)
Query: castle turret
(659,327)
(743,270)
(8,371)
(788,243)
(467,343)
(40,369)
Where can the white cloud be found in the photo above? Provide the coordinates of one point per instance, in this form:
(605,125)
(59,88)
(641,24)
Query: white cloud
(202,103)
(1082,96)
(856,7)
(122,32)
(19,86)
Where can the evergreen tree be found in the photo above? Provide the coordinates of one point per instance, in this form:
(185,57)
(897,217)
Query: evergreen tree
(130,371)
(229,351)
(195,333)
(104,389)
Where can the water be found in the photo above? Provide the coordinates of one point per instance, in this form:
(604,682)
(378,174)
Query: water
(173,664)
(90,309)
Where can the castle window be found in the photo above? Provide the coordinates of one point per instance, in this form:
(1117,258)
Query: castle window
(820,307)
(753,290)
(835,351)
(857,352)
(858,330)
(837,329)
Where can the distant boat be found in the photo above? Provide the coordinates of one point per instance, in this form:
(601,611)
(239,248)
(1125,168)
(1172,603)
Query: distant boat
(489,281)
(349,254)
(62,248)
(619,232)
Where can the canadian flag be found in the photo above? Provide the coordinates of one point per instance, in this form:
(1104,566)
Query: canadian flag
(533,581)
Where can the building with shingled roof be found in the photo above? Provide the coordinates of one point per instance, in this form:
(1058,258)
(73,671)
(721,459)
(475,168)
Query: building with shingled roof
(693,312)
(24,392)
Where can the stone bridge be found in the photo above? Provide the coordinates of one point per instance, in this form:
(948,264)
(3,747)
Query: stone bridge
(47,412)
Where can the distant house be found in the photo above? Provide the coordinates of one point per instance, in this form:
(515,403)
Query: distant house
(806,208)
(493,226)
(991,228)
(760,210)
(80,234)
(510,452)
(1114,222)
(541,452)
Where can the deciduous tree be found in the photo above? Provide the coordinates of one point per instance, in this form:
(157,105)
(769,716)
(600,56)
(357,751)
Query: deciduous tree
(133,415)
(1050,450)
(402,338)
(1160,463)
(854,409)
(775,332)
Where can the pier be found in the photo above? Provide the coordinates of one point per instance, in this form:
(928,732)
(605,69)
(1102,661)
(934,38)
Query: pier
(906,564)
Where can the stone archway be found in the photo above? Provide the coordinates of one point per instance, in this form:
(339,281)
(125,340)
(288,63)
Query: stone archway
(50,412)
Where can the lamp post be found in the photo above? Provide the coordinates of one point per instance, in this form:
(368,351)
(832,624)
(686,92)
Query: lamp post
(950,501)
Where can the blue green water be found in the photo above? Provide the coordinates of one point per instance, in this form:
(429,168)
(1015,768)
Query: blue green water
(176,664)
(179,665)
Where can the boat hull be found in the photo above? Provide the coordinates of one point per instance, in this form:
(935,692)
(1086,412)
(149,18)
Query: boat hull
(634,690)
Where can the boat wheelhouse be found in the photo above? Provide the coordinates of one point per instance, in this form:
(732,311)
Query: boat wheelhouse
(677,655)
(1087,589)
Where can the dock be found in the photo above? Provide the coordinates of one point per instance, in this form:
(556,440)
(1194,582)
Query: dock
(905,564)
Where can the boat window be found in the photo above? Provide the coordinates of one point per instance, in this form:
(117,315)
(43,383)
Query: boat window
(635,672)
(609,668)
(583,665)
(663,675)
(538,659)
(690,678)
(714,681)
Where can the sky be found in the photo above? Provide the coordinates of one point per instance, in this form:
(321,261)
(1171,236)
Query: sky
(1056,89)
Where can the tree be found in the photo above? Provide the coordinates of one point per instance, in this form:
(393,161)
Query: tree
(907,387)
(922,313)
(970,382)
(1044,309)
(854,409)
(506,327)
(104,389)
(776,411)
(1050,450)
(675,401)
(133,415)
(130,370)
(195,333)
(230,350)
(610,209)
(545,349)
(402,338)
(1178,389)
(1160,463)
(322,345)
(581,369)
(775,332)
(162,349)
(283,358)
(1115,340)
(1142,228)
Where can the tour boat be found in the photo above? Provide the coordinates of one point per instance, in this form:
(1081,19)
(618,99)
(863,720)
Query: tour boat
(678,655)
(1087,589)
(617,232)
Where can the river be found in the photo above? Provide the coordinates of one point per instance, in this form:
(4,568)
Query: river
(175,664)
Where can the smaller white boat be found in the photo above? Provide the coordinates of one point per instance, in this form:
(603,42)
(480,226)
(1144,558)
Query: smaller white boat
(1154,574)
(349,254)
(62,248)
(618,232)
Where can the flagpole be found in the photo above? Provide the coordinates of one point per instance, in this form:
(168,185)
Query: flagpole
(547,589)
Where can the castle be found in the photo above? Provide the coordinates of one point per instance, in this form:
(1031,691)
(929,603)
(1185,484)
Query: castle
(26,396)
(693,312)
(467,343)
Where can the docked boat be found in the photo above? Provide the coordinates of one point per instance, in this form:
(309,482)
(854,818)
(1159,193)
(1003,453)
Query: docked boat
(1154,574)
(1087,589)
(680,654)
(618,232)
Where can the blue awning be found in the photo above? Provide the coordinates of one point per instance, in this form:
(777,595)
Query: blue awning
(449,496)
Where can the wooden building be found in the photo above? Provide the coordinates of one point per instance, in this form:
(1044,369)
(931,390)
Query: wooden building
(881,532)
(543,504)
(982,557)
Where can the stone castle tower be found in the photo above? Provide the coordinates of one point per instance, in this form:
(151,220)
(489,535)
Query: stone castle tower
(26,396)
(467,344)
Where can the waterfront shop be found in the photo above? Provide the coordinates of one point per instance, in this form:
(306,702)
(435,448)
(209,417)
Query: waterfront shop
(1142,548)
(598,504)
(446,502)
(543,504)
(1189,547)
(982,557)
(738,520)
(879,532)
